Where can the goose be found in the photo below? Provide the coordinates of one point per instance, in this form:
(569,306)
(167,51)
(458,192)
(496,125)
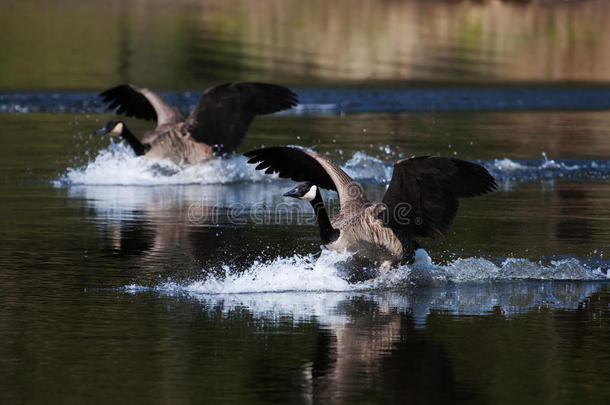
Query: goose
(421,200)
(216,127)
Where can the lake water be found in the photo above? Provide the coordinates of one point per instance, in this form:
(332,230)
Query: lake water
(138,281)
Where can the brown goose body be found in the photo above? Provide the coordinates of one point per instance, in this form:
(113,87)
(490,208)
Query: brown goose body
(177,146)
(363,232)
(421,200)
(216,127)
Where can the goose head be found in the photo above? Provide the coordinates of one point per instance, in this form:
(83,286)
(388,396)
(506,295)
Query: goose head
(112,127)
(303,191)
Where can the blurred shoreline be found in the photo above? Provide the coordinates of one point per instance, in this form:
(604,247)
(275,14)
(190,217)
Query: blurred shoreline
(187,44)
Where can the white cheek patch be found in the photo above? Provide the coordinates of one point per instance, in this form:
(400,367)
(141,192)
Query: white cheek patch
(311,194)
(118,128)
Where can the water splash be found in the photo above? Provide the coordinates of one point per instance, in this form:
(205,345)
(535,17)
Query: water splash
(305,287)
(548,169)
(296,273)
(368,169)
(365,168)
(327,274)
(117,165)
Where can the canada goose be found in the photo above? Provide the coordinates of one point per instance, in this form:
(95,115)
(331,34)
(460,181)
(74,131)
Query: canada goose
(217,126)
(421,200)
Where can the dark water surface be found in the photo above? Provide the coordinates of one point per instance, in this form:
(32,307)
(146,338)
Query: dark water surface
(129,280)
(173,285)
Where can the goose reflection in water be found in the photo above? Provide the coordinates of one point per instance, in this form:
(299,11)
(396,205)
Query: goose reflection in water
(153,223)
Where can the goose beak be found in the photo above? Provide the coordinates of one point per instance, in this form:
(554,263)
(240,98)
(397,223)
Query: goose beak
(294,193)
(101,131)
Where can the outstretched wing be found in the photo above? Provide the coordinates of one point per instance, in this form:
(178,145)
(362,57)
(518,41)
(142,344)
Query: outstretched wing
(225,112)
(424,191)
(140,103)
(303,165)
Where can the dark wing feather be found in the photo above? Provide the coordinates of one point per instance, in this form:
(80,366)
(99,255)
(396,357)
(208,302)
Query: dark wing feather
(303,165)
(225,112)
(424,191)
(140,103)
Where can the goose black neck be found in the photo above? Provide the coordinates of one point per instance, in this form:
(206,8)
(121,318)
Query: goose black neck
(327,232)
(134,142)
